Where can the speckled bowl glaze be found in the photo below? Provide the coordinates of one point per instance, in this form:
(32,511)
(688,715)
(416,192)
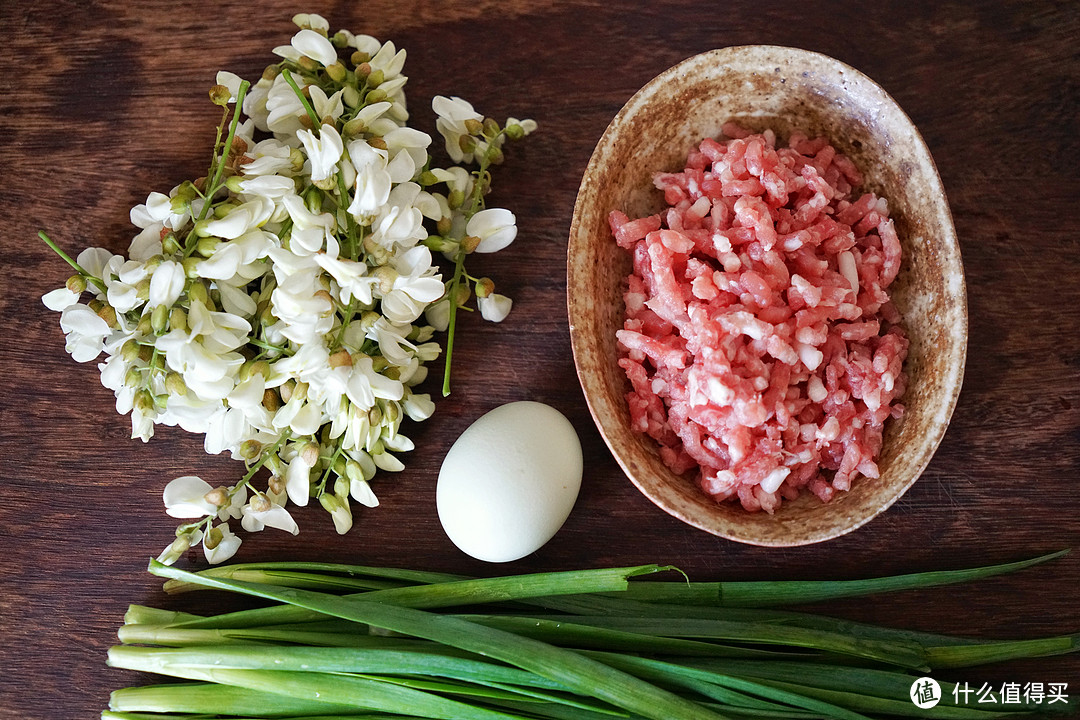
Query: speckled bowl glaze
(783,89)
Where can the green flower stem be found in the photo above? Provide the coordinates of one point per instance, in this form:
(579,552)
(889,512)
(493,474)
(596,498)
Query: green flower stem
(220,161)
(67,258)
(475,203)
(315,119)
(459,268)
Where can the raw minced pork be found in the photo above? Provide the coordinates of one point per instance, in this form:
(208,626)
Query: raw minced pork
(761,346)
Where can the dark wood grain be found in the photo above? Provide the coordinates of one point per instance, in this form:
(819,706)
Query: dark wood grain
(101,103)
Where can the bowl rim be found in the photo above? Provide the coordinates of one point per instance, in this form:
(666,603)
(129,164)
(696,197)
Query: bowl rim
(956,362)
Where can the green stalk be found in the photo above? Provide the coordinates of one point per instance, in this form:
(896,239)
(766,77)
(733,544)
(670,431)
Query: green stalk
(67,258)
(898,652)
(955,656)
(576,672)
(213,699)
(440,594)
(791,592)
(351,691)
(430,661)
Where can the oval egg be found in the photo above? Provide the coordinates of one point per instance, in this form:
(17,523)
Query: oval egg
(510,481)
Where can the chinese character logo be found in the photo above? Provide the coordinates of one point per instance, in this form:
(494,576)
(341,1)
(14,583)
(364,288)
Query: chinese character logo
(925,693)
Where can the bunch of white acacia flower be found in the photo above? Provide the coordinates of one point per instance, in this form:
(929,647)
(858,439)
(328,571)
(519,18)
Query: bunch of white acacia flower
(285,304)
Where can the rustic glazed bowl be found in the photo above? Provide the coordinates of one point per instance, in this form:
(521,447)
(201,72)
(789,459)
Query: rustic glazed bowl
(784,89)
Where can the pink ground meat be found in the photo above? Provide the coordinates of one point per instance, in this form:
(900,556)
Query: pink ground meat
(761,346)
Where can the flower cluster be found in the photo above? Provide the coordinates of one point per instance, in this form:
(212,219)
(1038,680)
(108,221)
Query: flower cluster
(285,305)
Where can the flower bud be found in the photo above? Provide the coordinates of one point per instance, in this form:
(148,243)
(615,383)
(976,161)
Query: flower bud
(222,210)
(220,95)
(213,538)
(76,284)
(309,453)
(198,292)
(143,328)
(374,79)
(159,319)
(339,466)
(494,155)
(455,199)
(296,158)
(218,496)
(270,400)
(375,96)
(463,294)
(313,200)
(189,264)
(474,126)
(308,64)
(178,319)
(250,449)
(275,485)
(133,378)
(144,401)
(108,314)
(260,503)
(359,57)
(341,485)
(515,131)
(286,389)
(469,243)
(235,183)
(484,287)
(207,245)
(129,351)
(341,358)
(386,276)
(202,228)
(351,97)
(186,190)
(170,245)
(336,72)
(175,385)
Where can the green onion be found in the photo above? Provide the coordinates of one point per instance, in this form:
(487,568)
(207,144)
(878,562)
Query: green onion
(582,645)
(771,593)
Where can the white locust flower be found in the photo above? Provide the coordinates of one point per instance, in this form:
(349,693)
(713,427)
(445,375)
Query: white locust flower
(166,284)
(59,299)
(494,307)
(308,43)
(416,286)
(220,544)
(373,180)
(185,497)
(85,332)
(453,113)
(231,81)
(323,152)
(261,513)
(496,228)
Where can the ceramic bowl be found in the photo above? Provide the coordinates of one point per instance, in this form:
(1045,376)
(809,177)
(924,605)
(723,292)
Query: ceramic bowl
(784,89)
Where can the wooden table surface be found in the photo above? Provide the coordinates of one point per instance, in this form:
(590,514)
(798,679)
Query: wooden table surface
(102,103)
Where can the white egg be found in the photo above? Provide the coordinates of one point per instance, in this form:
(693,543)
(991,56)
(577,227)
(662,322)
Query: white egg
(510,481)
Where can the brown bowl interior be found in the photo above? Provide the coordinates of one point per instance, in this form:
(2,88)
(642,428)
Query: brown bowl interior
(783,89)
